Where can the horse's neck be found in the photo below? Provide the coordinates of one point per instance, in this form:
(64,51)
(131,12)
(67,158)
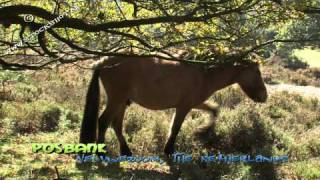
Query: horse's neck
(220,78)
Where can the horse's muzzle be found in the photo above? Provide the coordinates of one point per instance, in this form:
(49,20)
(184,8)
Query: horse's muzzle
(262,97)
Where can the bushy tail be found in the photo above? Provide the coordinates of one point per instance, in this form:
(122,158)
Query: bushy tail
(88,131)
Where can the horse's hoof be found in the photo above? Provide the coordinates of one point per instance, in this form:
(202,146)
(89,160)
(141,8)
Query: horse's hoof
(168,151)
(83,166)
(126,152)
(203,134)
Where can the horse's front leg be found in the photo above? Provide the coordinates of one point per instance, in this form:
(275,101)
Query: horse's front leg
(176,125)
(203,131)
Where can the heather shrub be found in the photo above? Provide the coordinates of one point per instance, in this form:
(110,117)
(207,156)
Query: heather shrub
(50,118)
(229,97)
(294,63)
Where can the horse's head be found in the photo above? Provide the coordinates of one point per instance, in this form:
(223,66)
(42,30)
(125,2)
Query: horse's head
(251,82)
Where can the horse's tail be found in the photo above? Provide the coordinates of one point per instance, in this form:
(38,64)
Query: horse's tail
(88,131)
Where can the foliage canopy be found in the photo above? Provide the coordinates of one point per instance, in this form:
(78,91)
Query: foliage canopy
(209,31)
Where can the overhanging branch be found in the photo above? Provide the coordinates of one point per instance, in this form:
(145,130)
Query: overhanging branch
(9,12)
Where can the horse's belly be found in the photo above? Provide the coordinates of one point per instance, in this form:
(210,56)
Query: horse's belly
(156,99)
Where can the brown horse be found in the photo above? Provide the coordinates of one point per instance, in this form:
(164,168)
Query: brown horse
(160,84)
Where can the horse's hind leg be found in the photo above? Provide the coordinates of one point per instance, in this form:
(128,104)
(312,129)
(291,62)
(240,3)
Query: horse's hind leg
(203,131)
(176,125)
(117,124)
(113,113)
(104,121)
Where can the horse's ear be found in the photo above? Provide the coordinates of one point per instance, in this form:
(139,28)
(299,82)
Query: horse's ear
(258,60)
(256,63)
(236,63)
(99,63)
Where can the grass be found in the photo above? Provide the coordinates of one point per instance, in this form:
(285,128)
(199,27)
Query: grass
(311,56)
(47,107)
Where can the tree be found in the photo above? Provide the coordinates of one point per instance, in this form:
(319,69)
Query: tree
(212,31)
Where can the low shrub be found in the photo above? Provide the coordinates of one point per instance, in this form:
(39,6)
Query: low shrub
(295,63)
(26,119)
(50,118)
(275,72)
(40,116)
(229,97)
(68,119)
(25,93)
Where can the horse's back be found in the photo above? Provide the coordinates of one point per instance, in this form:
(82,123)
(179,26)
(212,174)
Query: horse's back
(151,82)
